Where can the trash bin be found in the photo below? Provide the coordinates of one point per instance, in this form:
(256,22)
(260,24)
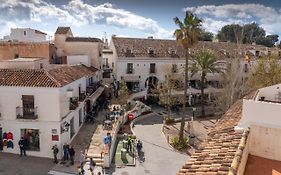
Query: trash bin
(123,154)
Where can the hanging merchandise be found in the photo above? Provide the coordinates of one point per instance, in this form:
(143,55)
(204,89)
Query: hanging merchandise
(10,144)
(5,142)
(10,136)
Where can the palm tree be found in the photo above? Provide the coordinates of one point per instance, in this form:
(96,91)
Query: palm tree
(187,35)
(204,62)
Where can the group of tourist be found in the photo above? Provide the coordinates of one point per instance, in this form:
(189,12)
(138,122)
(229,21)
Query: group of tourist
(68,153)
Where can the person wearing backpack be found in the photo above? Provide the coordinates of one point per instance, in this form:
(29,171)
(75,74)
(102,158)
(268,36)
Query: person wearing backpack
(55,152)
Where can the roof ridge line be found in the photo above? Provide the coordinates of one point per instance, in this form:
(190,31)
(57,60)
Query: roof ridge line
(239,153)
(52,78)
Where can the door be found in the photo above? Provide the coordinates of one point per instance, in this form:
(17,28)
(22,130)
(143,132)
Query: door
(72,131)
(1,140)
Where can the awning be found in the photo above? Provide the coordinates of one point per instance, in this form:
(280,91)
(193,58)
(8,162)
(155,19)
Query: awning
(96,94)
(131,78)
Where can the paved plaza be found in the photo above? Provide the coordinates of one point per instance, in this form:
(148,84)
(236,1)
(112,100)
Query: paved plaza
(159,157)
(13,164)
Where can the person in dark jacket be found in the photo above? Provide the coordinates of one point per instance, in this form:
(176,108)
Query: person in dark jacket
(65,152)
(55,152)
(22,145)
(71,154)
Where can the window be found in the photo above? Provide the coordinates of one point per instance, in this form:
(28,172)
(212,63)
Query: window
(31,138)
(151,52)
(112,65)
(71,127)
(24,32)
(130,68)
(28,110)
(152,68)
(16,55)
(128,51)
(174,68)
(41,65)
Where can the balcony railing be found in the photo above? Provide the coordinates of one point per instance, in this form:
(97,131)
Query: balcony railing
(130,71)
(92,88)
(73,104)
(26,113)
(82,96)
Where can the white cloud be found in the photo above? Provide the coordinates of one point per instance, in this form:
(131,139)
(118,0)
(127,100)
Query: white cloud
(78,13)
(6,28)
(268,17)
(106,13)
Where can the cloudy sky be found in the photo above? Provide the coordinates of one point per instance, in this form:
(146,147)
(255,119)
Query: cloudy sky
(134,18)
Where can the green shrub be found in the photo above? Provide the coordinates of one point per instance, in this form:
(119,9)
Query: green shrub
(180,146)
(169,120)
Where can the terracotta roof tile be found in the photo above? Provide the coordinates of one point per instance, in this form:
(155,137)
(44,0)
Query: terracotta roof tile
(57,77)
(83,39)
(218,152)
(62,30)
(139,47)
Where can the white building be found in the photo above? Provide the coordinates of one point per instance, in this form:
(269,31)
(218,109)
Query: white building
(69,46)
(25,63)
(26,35)
(45,107)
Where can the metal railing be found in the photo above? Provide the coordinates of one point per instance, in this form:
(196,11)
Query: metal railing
(82,96)
(73,104)
(92,88)
(26,113)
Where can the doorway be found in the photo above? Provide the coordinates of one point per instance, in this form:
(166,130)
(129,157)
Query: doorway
(1,140)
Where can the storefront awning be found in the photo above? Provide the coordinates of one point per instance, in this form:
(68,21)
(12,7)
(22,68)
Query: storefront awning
(131,78)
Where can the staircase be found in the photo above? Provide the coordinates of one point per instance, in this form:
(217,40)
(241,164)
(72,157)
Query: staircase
(96,157)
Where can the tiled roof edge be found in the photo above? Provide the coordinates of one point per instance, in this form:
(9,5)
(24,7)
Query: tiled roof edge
(239,153)
(52,78)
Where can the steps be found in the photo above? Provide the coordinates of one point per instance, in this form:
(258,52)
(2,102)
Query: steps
(96,157)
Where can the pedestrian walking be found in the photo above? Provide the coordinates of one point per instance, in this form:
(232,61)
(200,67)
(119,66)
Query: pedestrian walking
(22,145)
(82,159)
(65,152)
(55,153)
(139,147)
(71,154)
(92,165)
(130,144)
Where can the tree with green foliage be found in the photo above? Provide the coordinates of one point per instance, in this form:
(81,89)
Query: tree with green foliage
(268,41)
(187,35)
(206,36)
(204,62)
(123,93)
(266,72)
(251,33)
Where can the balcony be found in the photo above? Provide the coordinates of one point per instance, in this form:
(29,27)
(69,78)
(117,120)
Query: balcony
(92,88)
(130,71)
(26,113)
(73,104)
(82,96)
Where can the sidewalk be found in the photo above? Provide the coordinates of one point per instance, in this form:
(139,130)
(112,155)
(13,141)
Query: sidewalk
(90,136)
